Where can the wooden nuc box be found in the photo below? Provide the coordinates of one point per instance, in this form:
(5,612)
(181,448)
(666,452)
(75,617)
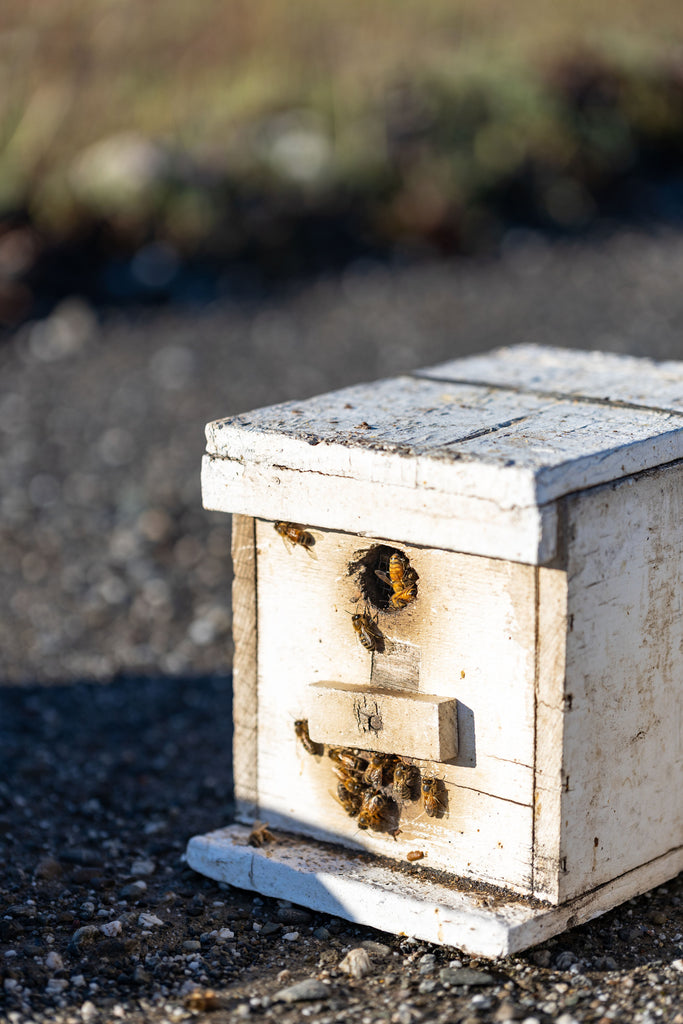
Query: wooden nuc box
(465,655)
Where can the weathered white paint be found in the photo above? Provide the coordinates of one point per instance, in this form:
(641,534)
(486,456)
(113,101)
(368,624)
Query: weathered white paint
(473,467)
(544,370)
(416,725)
(373,508)
(473,623)
(244,628)
(405,901)
(623,726)
(550,717)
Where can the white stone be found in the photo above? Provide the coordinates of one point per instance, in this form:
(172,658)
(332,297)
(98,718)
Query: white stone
(111,928)
(146,920)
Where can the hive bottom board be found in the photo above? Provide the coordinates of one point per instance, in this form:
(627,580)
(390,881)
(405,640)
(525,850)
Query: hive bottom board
(363,889)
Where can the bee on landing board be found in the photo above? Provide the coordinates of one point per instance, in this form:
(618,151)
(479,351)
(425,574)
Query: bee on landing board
(302,734)
(404,779)
(293,535)
(379,765)
(434,799)
(378,812)
(347,760)
(402,579)
(351,802)
(352,783)
(368,632)
(260,835)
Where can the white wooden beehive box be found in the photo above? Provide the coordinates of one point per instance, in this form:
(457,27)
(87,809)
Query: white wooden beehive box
(529,676)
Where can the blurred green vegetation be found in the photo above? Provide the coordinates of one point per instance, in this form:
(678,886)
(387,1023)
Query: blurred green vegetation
(198,121)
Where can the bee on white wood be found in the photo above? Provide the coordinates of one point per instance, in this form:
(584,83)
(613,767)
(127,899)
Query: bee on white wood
(302,734)
(294,535)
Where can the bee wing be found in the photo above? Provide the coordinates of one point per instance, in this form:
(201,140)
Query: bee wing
(383,576)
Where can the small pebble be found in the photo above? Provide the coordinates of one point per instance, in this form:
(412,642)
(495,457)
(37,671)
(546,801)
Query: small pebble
(508,1011)
(357,963)
(134,890)
(48,869)
(150,921)
(465,976)
(290,936)
(142,868)
(53,961)
(427,963)
(293,915)
(303,991)
(85,936)
(376,948)
(88,1011)
(56,985)
(111,928)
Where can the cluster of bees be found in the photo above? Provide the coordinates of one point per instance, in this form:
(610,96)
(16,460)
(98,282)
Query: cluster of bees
(397,588)
(372,787)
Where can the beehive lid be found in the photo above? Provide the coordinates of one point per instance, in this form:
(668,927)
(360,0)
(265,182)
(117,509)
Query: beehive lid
(471,455)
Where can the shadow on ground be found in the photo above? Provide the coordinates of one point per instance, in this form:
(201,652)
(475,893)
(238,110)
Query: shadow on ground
(101,786)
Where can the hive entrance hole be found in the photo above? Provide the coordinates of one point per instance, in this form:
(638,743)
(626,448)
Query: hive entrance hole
(363,567)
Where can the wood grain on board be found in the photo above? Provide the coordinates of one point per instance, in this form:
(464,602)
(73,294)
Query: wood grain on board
(474,624)
(623,728)
(416,725)
(245,699)
(465,454)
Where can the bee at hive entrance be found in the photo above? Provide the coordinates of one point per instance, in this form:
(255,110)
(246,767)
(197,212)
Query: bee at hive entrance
(385,578)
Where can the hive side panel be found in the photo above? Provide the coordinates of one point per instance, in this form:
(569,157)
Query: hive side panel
(550,710)
(245,706)
(623,728)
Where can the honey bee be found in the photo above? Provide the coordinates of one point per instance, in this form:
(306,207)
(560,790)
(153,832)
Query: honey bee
(347,760)
(351,802)
(404,779)
(353,783)
(302,734)
(433,796)
(260,835)
(377,812)
(402,579)
(293,535)
(374,773)
(368,632)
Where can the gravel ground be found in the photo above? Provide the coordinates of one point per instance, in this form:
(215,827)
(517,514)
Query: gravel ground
(111,572)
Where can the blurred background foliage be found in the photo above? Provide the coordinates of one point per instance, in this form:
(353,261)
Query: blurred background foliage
(193,149)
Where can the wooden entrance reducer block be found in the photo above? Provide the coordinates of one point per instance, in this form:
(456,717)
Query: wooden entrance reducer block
(458,645)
